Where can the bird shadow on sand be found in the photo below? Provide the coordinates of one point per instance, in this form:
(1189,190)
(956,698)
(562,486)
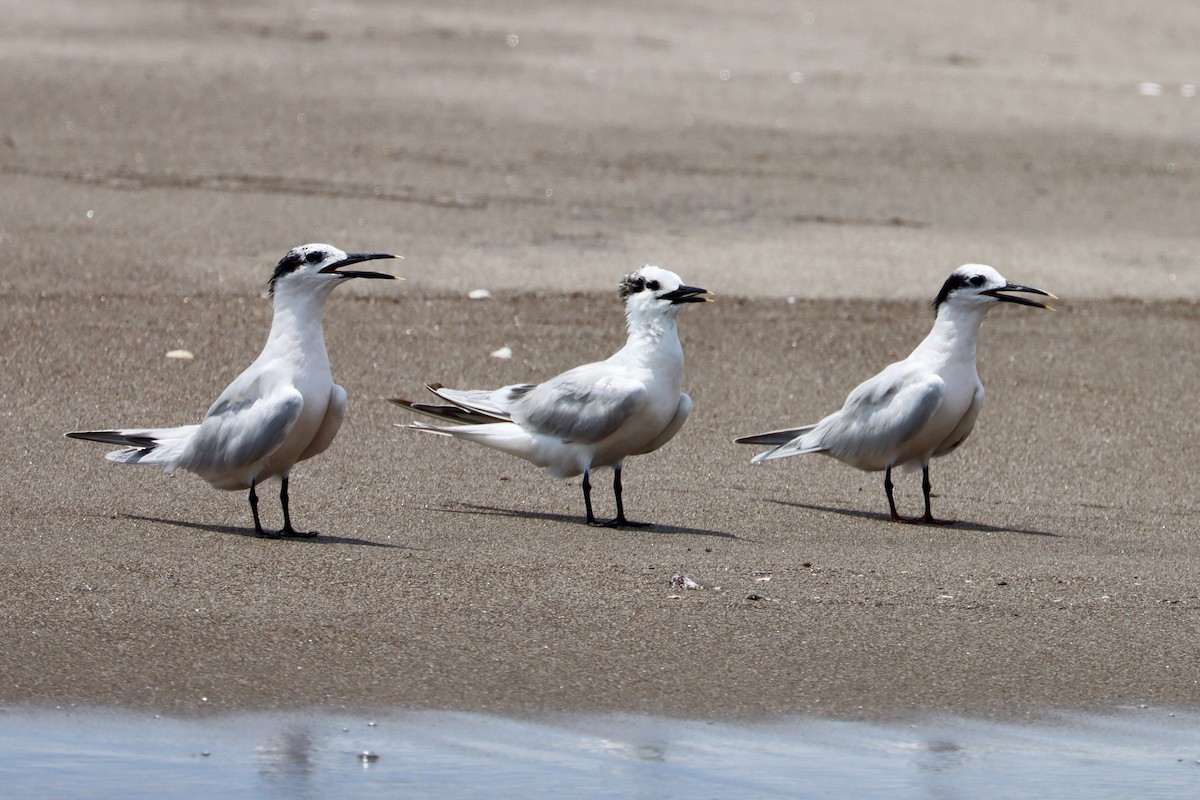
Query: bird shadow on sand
(957,525)
(232,530)
(653,527)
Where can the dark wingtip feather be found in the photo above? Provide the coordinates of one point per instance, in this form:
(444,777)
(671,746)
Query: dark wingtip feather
(774,438)
(455,414)
(462,416)
(114,437)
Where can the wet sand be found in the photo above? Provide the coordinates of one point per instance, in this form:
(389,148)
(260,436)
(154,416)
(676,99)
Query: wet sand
(157,160)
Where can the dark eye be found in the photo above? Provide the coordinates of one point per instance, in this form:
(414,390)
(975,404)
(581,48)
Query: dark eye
(652,285)
(314,256)
(976,280)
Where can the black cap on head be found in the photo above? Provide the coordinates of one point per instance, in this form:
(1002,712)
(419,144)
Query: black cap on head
(957,280)
(287,265)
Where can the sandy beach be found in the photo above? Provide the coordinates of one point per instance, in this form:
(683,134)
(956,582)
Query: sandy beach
(820,168)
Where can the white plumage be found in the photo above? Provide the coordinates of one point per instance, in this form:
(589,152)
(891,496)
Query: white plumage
(284,408)
(595,415)
(916,409)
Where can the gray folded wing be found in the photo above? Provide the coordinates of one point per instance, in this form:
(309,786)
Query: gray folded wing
(584,405)
(882,414)
(242,429)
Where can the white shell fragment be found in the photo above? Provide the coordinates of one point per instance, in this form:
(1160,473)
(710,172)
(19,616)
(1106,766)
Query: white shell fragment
(479,294)
(185,355)
(684,582)
(504,352)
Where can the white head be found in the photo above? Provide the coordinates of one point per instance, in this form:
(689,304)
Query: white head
(318,268)
(979,286)
(655,292)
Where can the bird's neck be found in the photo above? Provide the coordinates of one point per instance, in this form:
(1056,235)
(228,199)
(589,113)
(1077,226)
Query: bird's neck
(297,326)
(652,339)
(660,327)
(954,334)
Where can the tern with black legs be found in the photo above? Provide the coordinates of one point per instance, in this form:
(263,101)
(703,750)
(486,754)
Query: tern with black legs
(284,408)
(916,409)
(592,416)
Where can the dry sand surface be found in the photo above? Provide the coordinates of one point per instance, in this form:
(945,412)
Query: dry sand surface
(157,158)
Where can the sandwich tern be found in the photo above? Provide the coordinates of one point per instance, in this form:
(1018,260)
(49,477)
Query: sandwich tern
(916,409)
(595,415)
(284,408)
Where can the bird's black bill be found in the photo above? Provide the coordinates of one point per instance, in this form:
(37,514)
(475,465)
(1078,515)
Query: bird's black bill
(1024,301)
(688,294)
(358,258)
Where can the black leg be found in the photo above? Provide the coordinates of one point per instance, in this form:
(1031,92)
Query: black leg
(283,501)
(254,510)
(288,530)
(926,487)
(620,520)
(587,498)
(887,487)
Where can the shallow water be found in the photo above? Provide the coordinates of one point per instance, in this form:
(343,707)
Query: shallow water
(1145,753)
